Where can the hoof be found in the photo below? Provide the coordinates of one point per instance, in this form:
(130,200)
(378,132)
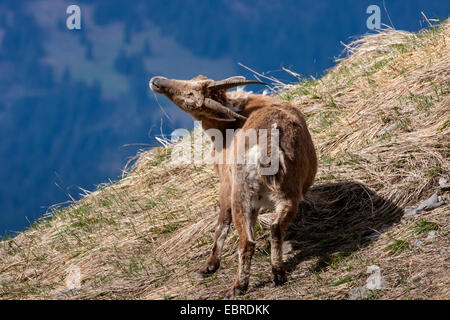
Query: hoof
(279,278)
(207,270)
(234,292)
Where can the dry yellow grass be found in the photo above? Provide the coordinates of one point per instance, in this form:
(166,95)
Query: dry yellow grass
(380,121)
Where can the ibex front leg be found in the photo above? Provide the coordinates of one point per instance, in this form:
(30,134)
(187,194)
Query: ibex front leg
(223,226)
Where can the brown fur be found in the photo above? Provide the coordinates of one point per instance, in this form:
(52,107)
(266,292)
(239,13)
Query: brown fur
(243,194)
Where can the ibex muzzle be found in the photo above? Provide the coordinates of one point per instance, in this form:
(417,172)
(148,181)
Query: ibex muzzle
(244,191)
(160,84)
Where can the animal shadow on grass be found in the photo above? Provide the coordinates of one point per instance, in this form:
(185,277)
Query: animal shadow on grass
(337,218)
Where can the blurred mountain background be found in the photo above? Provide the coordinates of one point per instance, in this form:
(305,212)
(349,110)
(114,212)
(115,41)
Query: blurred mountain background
(75,104)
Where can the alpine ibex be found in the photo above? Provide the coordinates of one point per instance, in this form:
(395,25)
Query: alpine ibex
(244,189)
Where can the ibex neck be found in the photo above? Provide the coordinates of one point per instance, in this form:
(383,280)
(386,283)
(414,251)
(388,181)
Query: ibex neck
(222,126)
(240,99)
(211,126)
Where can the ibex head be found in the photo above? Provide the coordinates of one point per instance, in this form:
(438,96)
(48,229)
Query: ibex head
(201,97)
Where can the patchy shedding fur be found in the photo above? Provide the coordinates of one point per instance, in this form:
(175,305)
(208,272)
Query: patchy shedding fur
(237,98)
(244,190)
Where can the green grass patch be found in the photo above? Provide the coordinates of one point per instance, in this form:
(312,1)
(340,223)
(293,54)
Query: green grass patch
(398,246)
(304,87)
(339,281)
(422,103)
(373,295)
(445,125)
(167,228)
(425,226)
(162,155)
(434,172)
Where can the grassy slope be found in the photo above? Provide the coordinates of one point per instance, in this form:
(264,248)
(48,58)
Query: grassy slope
(143,236)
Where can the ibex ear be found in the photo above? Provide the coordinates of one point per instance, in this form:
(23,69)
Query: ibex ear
(200,77)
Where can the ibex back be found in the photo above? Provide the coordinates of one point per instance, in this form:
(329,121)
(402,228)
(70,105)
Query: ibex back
(249,187)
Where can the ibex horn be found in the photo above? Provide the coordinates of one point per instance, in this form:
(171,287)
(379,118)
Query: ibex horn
(216,106)
(222,119)
(232,82)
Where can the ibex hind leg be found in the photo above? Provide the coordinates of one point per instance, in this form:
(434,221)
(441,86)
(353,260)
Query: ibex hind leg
(220,235)
(285,210)
(244,221)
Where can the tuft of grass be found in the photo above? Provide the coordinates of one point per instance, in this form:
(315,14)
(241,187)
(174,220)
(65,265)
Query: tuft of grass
(304,87)
(166,228)
(162,155)
(422,102)
(327,119)
(336,260)
(425,226)
(398,246)
(445,125)
(339,281)
(435,172)
(373,295)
